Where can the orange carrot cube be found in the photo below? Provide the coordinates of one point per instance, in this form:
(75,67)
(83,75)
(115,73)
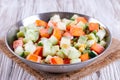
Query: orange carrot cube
(84,57)
(34,58)
(56,60)
(40,23)
(82,19)
(97,48)
(38,51)
(76,31)
(93,26)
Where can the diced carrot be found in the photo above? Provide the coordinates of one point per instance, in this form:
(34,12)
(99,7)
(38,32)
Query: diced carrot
(44,33)
(68,27)
(97,48)
(76,31)
(56,60)
(57,33)
(82,19)
(38,51)
(17,43)
(84,57)
(52,24)
(34,58)
(67,34)
(41,23)
(66,61)
(93,26)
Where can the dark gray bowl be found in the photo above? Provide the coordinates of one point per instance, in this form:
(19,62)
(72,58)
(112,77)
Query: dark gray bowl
(11,36)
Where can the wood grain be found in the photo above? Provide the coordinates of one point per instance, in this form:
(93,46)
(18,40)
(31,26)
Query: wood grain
(107,11)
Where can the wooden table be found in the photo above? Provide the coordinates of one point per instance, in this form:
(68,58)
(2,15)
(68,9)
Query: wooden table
(11,11)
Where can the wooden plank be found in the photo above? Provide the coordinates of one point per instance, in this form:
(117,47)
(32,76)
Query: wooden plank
(5,67)
(111,72)
(106,11)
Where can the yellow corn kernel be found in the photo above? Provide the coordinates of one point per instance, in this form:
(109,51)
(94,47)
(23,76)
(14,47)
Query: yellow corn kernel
(82,47)
(102,28)
(65,46)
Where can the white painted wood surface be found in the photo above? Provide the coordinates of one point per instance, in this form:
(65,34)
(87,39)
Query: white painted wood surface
(11,11)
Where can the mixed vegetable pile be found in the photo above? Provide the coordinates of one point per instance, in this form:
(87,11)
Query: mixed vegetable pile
(60,41)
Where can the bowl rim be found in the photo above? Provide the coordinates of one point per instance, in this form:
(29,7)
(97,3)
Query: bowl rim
(110,41)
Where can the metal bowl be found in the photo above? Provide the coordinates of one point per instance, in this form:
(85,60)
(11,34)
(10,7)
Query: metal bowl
(11,36)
